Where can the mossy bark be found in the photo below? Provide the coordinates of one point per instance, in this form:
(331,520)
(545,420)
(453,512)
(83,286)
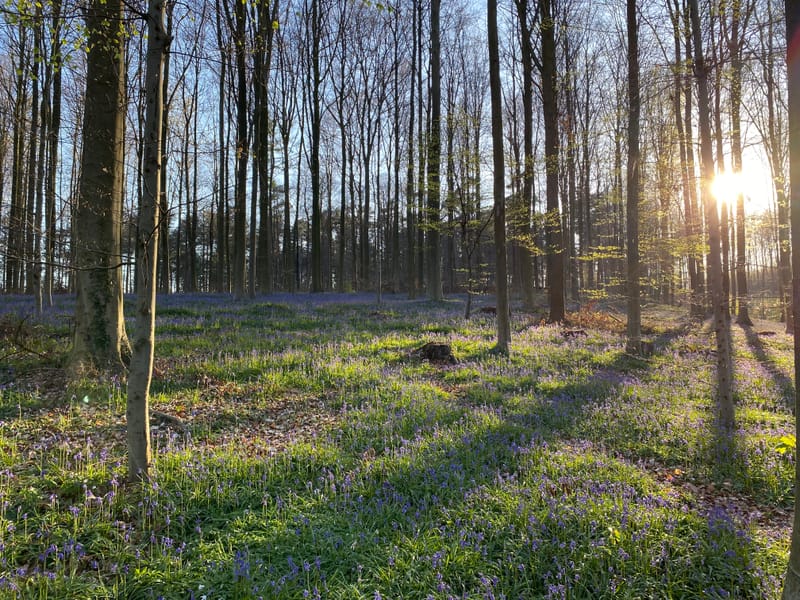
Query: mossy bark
(100,340)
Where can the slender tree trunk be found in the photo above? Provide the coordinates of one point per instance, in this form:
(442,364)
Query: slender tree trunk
(16,222)
(242,152)
(411,224)
(735,51)
(791,586)
(52,169)
(528,173)
(634,328)
(434,288)
(421,216)
(397,159)
(775,140)
(725,410)
(316,130)
(555,241)
(503,324)
(165,254)
(138,409)
(222,199)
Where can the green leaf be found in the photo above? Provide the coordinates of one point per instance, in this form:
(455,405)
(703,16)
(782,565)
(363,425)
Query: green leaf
(787,443)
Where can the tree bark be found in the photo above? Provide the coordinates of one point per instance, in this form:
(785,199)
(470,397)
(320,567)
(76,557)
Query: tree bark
(555,241)
(528,158)
(138,405)
(725,410)
(634,326)
(242,152)
(501,284)
(100,340)
(791,586)
(735,41)
(434,287)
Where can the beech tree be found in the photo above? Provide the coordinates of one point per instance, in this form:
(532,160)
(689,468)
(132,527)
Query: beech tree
(634,326)
(498,163)
(100,340)
(549,86)
(719,302)
(138,404)
(434,286)
(791,586)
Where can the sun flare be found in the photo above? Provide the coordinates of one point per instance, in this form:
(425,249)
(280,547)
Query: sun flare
(755,184)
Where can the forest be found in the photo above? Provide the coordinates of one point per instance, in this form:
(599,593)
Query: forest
(403,299)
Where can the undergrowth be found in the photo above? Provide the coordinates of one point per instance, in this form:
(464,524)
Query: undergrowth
(320,458)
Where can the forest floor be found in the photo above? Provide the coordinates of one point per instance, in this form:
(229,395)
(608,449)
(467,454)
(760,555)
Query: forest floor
(303,449)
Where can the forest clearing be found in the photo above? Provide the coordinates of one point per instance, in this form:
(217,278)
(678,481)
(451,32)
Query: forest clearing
(303,450)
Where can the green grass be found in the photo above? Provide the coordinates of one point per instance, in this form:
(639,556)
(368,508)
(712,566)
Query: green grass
(322,460)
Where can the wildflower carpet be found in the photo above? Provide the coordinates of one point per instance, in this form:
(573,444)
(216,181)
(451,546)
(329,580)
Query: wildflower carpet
(303,450)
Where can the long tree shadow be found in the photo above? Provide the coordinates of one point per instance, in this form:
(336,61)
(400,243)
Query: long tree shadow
(758,349)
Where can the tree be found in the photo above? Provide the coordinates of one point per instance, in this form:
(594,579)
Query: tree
(239,26)
(719,304)
(315,107)
(53,128)
(434,158)
(634,328)
(501,283)
(791,586)
(555,239)
(262,142)
(100,340)
(741,12)
(528,174)
(141,371)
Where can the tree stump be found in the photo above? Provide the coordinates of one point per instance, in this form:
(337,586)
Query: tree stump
(436,352)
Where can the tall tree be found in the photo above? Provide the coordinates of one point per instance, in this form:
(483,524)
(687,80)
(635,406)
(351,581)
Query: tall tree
(740,13)
(725,411)
(791,586)
(141,371)
(239,26)
(555,238)
(53,128)
(501,282)
(100,340)
(528,158)
(315,108)
(434,158)
(262,146)
(634,328)
(411,225)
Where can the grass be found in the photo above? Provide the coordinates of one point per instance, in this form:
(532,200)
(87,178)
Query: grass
(322,460)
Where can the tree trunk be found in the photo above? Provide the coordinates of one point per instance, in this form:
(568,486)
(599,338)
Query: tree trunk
(528,173)
(725,410)
(434,288)
(242,151)
(735,42)
(222,200)
(100,340)
(138,410)
(165,269)
(16,221)
(555,241)
(634,327)
(411,224)
(316,129)
(791,588)
(501,284)
(54,126)
(775,151)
